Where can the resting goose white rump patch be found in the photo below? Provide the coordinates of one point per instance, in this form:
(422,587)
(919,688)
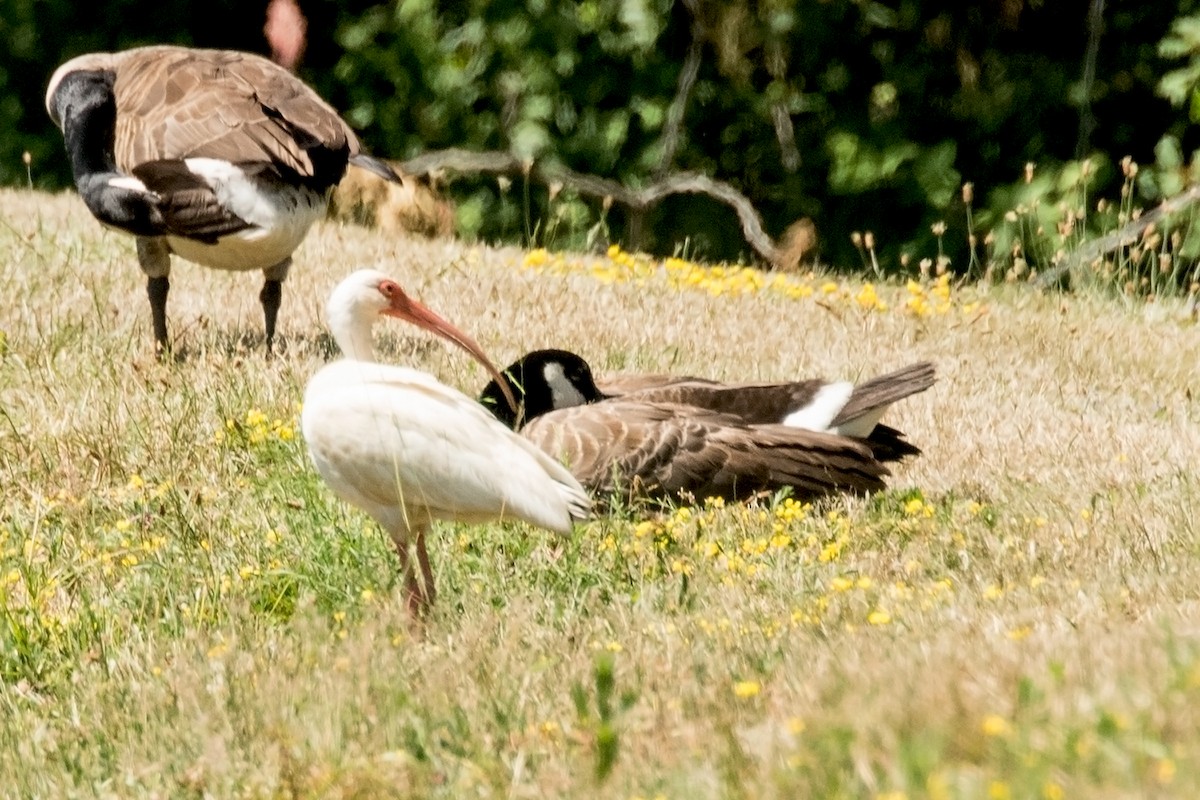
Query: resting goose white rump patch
(818,415)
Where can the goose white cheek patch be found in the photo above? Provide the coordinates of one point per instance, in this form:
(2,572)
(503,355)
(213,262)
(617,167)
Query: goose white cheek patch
(563,393)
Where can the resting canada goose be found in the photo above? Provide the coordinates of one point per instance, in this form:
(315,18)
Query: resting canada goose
(222,158)
(557,379)
(656,442)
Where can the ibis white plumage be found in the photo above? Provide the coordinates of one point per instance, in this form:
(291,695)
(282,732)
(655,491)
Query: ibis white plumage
(408,449)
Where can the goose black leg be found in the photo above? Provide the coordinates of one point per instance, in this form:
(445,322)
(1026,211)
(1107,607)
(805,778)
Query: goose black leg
(155,259)
(271,296)
(157,289)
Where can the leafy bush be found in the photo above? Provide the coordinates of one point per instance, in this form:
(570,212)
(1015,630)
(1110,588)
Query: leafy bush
(858,115)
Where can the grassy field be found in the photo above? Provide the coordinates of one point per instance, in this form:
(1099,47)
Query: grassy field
(188,612)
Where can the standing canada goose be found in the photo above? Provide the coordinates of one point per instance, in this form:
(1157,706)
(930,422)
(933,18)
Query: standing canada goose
(222,158)
(408,449)
(644,445)
(556,379)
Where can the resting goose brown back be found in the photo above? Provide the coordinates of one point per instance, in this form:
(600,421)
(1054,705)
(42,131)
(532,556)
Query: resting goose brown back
(658,450)
(556,379)
(767,403)
(621,385)
(763,403)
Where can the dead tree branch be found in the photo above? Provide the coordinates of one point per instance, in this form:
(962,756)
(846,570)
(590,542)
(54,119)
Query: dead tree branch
(637,200)
(1124,236)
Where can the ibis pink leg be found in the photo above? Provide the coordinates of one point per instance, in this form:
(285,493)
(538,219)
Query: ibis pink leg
(412,587)
(430,586)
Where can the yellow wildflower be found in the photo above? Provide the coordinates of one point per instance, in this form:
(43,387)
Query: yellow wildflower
(995,725)
(830,552)
(536,258)
(646,528)
(1052,791)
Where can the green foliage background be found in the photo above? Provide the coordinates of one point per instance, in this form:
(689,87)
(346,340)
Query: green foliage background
(891,105)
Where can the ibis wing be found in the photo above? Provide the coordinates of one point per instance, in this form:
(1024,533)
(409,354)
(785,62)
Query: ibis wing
(400,437)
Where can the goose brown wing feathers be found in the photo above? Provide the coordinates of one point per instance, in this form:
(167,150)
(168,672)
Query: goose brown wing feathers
(621,385)
(251,110)
(657,450)
(765,403)
(188,205)
(752,403)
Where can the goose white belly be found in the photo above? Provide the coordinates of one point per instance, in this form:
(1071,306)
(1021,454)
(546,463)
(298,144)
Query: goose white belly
(280,215)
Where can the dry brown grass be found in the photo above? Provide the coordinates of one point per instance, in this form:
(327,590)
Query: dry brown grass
(411,206)
(1038,566)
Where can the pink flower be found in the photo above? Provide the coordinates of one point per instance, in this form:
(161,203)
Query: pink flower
(285,31)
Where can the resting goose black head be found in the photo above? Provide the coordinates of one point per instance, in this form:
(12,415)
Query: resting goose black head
(543,381)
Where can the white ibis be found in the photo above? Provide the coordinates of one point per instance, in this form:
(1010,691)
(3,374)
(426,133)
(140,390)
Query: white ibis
(408,449)
(220,157)
(662,435)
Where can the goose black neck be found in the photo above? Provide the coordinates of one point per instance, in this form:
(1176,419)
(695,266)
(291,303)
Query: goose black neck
(492,398)
(86,109)
(543,381)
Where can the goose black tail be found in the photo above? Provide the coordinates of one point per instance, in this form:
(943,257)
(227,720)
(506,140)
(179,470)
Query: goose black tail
(377,166)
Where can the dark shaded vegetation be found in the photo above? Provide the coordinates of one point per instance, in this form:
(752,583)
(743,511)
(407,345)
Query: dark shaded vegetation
(859,115)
